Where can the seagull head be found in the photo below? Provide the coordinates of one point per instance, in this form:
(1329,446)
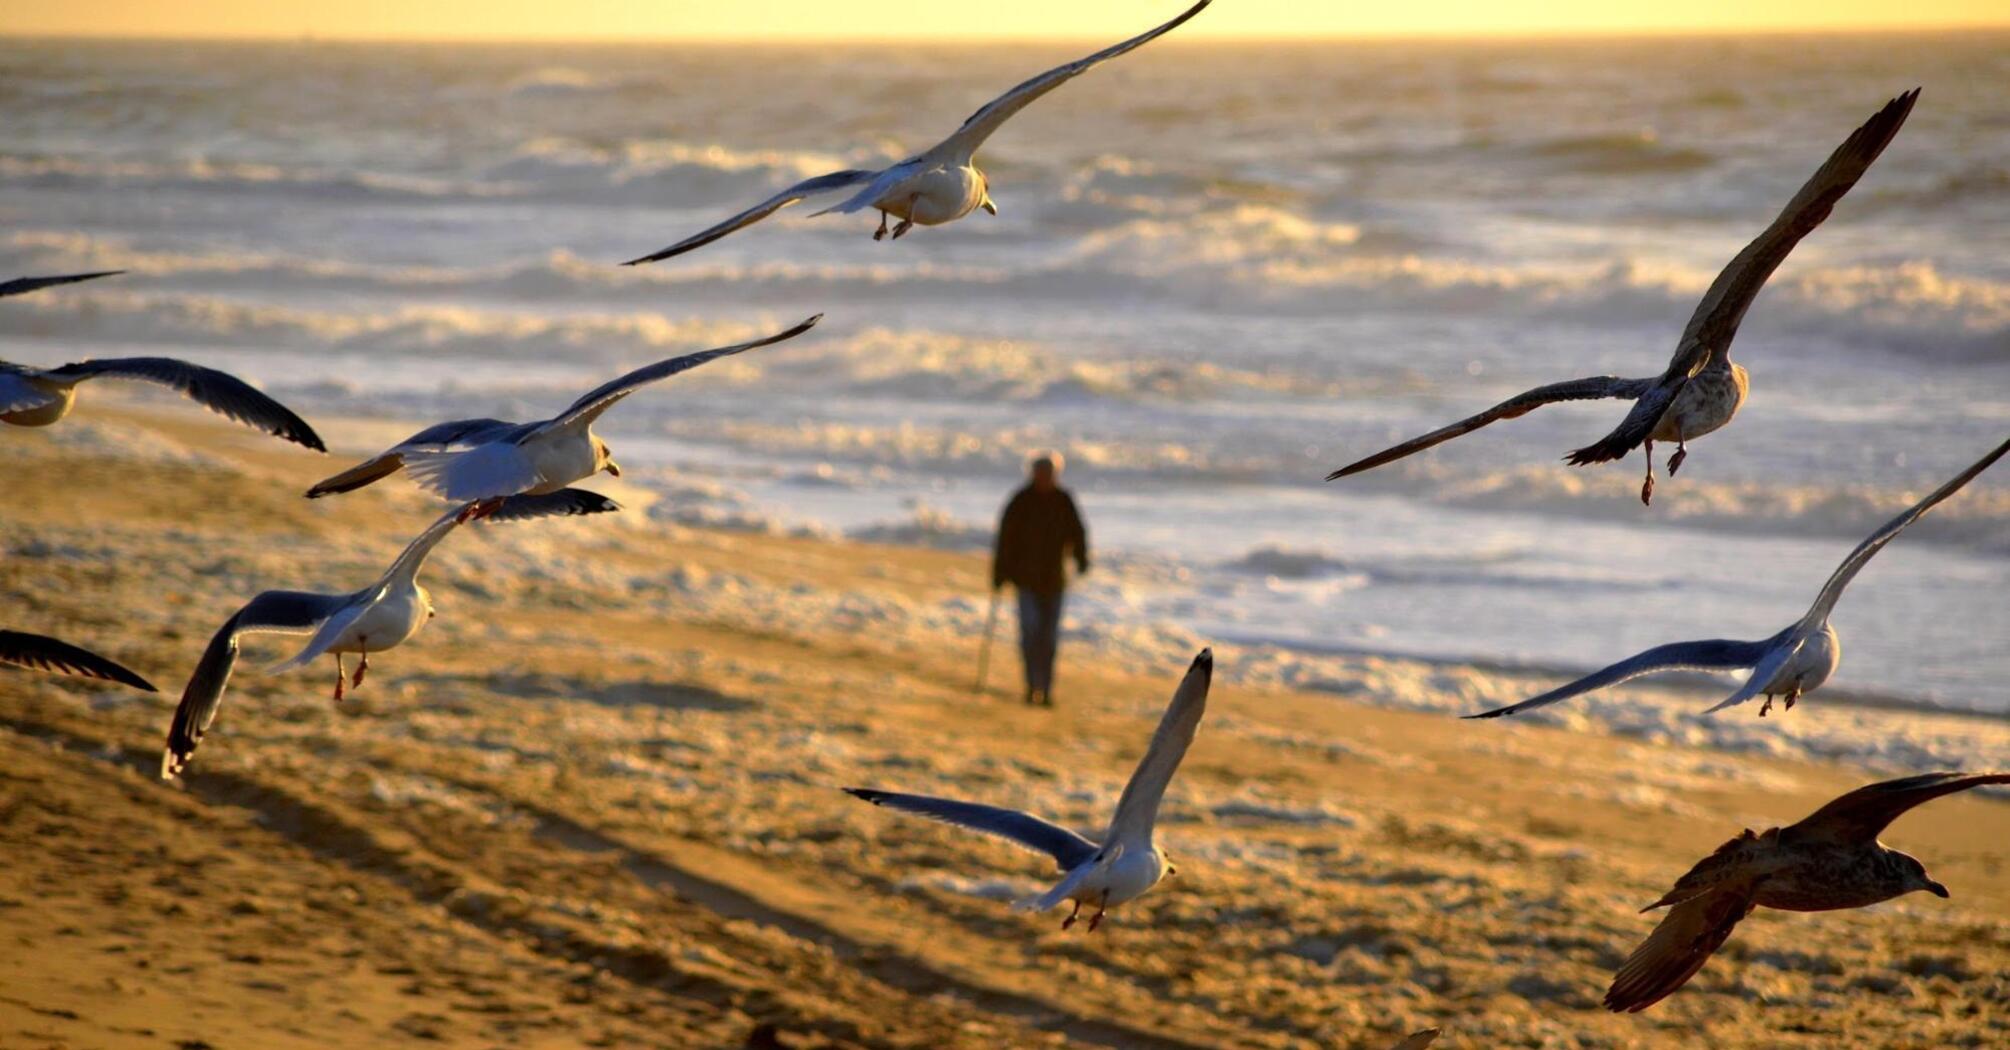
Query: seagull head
(1916,878)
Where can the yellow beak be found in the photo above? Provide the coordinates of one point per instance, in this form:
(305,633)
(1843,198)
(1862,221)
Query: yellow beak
(614,468)
(988,206)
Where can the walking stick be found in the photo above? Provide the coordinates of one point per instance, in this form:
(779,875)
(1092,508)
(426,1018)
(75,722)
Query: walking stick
(984,648)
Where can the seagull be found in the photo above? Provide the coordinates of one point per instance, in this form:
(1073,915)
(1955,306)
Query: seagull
(1702,388)
(1828,861)
(24,285)
(472,460)
(41,653)
(36,397)
(938,185)
(378,617)
(1791,663)
(1127,863)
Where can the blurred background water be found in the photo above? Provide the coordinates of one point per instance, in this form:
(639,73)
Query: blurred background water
(1220,271)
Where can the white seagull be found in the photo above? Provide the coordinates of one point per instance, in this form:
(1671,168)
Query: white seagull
(1702,388)
(1791,663)
(471,460)
(42,653)
(378,617)
(1128,862)
(40,397)
(940,184)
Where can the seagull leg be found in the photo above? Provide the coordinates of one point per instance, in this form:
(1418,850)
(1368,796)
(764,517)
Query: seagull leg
(1767,707)
(1647,486)
(907,223)
(1681,453)
(1793,696)
(341,676)
(1072,916)
(880,234)
(363,667)
(1101,907)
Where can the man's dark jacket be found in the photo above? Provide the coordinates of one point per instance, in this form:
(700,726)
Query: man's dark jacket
(1036,532)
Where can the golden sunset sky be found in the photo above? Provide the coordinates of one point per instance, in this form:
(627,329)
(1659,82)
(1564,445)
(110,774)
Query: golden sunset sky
(1007,19)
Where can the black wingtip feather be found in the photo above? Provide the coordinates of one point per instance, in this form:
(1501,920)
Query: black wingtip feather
(867,794)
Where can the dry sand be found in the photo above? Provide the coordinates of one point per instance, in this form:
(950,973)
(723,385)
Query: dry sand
(595,803)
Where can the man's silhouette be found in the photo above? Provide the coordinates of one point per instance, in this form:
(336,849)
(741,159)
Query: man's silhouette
(1039,528)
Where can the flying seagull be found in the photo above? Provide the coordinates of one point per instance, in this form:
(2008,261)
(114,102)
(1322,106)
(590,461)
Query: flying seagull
(37,397)
(1702,388)
(378,617)
(1793,662)
(471,460)
(1830,860)
(940,184)
(41,653)
(1127,863)
(24,285)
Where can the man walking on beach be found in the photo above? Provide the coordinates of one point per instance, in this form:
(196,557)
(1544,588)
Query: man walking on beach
(1039,528)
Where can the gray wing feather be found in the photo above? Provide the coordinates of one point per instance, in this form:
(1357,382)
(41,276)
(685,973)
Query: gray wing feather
(831,183)
(278,612)
(217,391)
(988,118)
(17,392)
(1521,404)
(1832,590)
(1715,322)
(43,653)
(1712,654)
(1068,849)
(602,397)
(24,285)
(1138,808)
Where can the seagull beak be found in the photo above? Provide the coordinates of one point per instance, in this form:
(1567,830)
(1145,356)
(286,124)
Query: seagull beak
(988,206)
(1937,890)
(613,468)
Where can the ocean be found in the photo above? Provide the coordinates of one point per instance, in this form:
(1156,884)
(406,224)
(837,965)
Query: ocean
(1219,272)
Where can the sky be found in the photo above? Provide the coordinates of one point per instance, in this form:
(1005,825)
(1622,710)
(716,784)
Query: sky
(935,19)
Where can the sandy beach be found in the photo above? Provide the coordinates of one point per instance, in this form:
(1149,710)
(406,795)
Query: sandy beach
(595,803)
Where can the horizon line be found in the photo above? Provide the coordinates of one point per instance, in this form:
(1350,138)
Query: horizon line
(1596,33)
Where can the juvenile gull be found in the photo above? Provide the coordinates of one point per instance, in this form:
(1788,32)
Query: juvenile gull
(42,653)
(1830,860)
(37,397)
(1702,388)
(481,459)
(1128,862)
(1789,664)
(378,617)
(938,185)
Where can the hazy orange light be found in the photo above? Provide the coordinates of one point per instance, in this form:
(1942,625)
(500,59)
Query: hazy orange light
(884,19)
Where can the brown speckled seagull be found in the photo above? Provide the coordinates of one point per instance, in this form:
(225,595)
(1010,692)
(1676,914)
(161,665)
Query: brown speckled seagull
(1828,861)
(1702,387)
